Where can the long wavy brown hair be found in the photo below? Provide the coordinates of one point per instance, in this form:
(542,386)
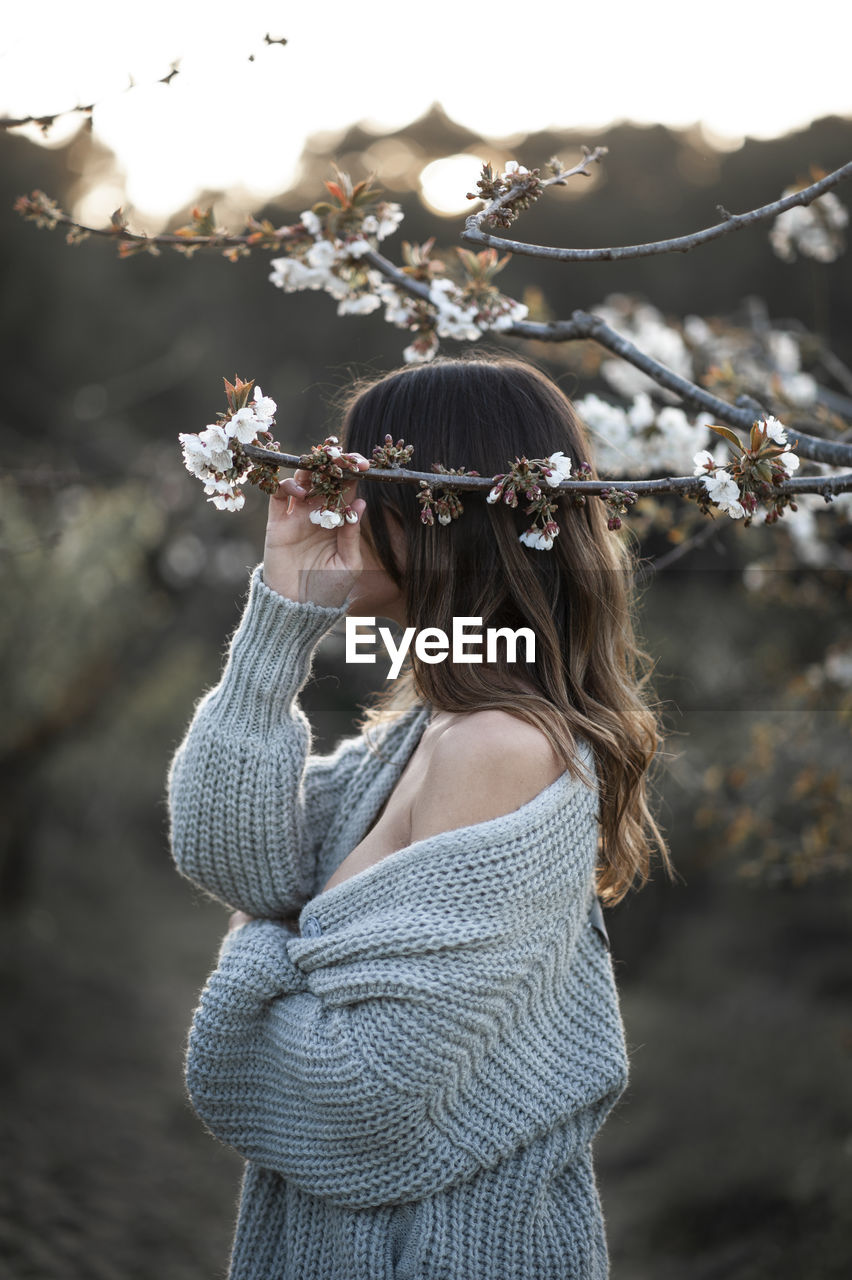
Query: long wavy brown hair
(590,678)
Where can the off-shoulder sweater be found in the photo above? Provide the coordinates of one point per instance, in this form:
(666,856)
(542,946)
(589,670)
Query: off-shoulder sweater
(414,1079)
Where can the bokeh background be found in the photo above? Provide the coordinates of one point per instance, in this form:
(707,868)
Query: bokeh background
(730,1154)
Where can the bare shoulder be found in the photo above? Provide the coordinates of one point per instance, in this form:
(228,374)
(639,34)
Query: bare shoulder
(482,765)
(493,733)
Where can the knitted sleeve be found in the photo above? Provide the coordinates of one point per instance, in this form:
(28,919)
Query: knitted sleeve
(248,804)
(400,1057)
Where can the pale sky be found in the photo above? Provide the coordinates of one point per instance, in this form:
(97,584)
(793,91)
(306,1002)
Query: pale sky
(226,122)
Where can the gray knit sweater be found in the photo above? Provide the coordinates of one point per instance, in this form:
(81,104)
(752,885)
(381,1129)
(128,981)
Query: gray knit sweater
(415,1079)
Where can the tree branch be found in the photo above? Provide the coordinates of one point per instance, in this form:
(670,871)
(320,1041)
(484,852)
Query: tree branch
(473,233)
(584,325)
(581,326)
(826,485)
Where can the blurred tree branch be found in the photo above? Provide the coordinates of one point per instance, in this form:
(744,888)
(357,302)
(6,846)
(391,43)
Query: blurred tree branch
(46,122)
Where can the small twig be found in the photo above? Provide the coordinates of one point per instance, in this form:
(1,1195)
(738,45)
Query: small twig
(838,404)
(473,233)
(225,239)
(45,122)
(558,180)
(835,366)
(702,535)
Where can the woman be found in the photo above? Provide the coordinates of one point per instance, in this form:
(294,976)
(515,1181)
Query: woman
(413,1034)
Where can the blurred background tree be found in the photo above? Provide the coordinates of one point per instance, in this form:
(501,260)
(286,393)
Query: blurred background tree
(730,1155)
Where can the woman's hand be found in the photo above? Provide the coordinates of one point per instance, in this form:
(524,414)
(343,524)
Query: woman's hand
(303,561)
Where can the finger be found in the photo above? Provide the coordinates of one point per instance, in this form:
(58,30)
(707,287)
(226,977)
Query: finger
(352,478)
(288,489)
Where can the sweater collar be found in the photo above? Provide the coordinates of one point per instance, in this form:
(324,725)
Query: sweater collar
(358,893)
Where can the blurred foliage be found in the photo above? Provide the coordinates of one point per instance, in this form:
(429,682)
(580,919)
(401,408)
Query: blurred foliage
(84,571)
(119,587)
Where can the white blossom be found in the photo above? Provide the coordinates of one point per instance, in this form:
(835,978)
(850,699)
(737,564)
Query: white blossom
(789,461)
(838,666)
(386,220)
(326,519)
(196,455)
(292,275)
(804,530)
(334,451)
(560,469)
(513,170)
(510,313)
(536,539)
(358,304)
(351,517)
(641,440)
(641,413)
(644,326)
(215,438)
(775,430)
(783,351)
(337,287)
(226,497)
(444,518)
(800,389)
(243,425)
(697,331)
(420,352)
(264,407)
(357,248)
(213,485)
(397,307)
(311,222)
(814,231)
(721,486)
(673,423)
(702,461)
(495,494)
(454,319)
(724,491)
(228,501)
(322,255)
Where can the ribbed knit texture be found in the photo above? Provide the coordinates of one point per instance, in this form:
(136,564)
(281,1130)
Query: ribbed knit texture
(415,1081)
